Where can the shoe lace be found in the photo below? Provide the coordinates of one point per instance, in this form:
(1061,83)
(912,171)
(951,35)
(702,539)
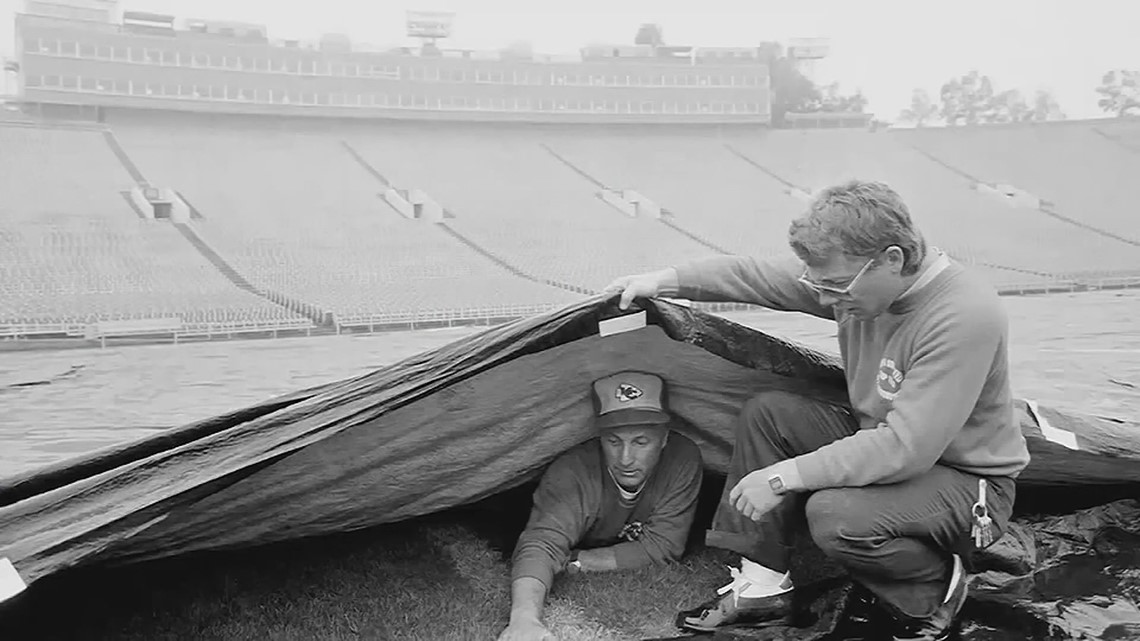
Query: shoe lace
(739,584)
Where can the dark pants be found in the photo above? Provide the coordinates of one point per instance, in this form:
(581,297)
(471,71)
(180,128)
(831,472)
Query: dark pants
(895,539)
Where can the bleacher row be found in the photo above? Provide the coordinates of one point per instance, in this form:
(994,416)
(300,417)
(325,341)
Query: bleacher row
(300,221)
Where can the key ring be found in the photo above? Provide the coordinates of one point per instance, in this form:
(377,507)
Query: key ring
(980,511)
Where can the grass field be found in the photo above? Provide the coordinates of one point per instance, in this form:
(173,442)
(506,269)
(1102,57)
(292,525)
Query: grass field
(439,578)
(444,577)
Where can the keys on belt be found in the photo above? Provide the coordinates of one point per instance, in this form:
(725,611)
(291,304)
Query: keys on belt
(982,530)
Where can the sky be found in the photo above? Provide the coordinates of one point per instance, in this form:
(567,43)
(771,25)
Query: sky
(886,48)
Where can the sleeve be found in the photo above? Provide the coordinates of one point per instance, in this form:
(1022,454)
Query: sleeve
(665,532)
(949,367)
(558,520)
(769,283)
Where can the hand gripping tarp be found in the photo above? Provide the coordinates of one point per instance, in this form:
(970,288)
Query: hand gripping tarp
(446,427)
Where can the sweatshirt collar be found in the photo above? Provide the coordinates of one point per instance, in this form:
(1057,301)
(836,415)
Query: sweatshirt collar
(920,287)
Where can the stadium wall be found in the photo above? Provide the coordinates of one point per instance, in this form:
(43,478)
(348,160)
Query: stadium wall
(81,63)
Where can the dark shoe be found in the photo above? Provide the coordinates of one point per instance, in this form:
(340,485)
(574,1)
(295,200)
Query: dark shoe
(863,617)
(940,625)
(729,609)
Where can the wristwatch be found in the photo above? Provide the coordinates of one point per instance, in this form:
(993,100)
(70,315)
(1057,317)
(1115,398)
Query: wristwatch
(776,482)
(574,566)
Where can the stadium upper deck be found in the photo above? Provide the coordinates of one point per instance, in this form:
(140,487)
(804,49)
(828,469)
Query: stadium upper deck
(74,62)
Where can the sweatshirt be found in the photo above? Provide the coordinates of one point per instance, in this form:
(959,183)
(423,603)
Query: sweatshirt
(577,505)
(928,379)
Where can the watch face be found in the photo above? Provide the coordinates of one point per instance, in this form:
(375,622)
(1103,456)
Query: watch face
(776,483)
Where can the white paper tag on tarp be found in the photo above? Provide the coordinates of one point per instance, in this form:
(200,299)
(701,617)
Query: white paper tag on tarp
(620,324)
(1059,436)
(10,582)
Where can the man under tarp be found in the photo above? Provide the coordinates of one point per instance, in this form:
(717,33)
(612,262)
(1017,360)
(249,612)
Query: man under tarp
(899,490)
(625,499)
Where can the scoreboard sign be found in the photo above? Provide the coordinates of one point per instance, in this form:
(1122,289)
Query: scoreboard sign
(808,48)
(430,24)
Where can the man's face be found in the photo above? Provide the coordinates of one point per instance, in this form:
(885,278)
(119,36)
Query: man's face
(859,286)
(632,452)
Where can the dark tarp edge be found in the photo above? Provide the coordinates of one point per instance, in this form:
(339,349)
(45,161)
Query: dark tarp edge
(493,346)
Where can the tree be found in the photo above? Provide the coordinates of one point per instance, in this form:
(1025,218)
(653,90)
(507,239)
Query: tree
(831,101)
(855,103)
(921,110)
(791,90)
(650,34)
(1120,92)
(1045,107)
(770,52)
(1007,106)
(967,99)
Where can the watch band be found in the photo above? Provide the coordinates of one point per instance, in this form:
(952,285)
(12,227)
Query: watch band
(573,565)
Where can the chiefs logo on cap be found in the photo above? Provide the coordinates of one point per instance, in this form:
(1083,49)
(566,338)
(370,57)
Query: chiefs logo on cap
(626,392)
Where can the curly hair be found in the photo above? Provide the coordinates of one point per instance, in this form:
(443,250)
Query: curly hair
(857,218)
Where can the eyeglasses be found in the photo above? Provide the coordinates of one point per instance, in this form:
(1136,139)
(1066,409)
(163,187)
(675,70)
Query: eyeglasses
(835,291)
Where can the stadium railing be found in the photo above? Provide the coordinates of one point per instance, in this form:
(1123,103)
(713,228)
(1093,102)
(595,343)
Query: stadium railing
(493,312)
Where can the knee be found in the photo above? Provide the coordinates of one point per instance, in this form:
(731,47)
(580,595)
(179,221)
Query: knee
(839,524)
(766,410)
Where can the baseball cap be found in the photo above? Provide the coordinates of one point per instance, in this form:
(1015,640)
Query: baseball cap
(629,398)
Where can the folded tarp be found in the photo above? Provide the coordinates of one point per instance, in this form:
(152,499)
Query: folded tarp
(444,428)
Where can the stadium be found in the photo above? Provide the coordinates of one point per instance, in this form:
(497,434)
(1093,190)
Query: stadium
(201,183)
(180,183)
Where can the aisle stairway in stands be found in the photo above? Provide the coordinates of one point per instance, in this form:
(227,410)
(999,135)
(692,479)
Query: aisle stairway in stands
(667,217)
(970,224)
(290,226)
(203,248)
(297,214)
(490,255)
(707,193)
(516,200)
(1085,179)
(73,253)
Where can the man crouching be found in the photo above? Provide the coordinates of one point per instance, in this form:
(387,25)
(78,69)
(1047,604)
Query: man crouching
(622,500)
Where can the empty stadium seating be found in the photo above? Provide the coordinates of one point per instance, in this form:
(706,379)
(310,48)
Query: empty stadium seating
(54,171)
(69,274)
(74,253)
(710,192)
(294,214)
(519,202)
(1083,175)
(967,223)
(294,230)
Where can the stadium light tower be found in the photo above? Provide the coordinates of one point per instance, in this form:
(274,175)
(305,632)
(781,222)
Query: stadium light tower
(429,26)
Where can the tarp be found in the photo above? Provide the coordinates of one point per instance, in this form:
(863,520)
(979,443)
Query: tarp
(444,428)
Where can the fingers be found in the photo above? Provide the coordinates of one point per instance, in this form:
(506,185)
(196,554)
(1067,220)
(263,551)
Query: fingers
(735,493)
(741,503)
(627,296)
(630,287)
(621,285)
(748,510)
